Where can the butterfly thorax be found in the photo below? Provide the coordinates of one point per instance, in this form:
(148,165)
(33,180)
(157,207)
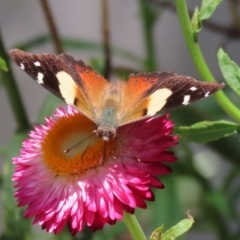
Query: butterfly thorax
(107,123)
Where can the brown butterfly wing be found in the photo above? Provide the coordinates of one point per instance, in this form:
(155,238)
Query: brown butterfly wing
(148,94)
(92,84)
(144,95)
(74,82)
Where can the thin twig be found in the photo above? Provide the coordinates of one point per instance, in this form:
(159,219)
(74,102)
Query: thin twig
(13,93)
(106,39)
(234,9)
(148,18)
(52,26)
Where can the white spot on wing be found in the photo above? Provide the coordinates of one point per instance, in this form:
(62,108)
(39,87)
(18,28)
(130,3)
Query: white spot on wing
(186,100)
(206,94)
(157,100)
(37,64)
(40,78)
(193,88)
(22,66)
(67,86)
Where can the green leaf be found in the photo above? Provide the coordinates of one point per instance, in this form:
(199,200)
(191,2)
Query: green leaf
(207,9)
(79,44)
(157,234)
(230,71)
(207,131)
(34,42)
(3,65)
(196,24)
(177,230)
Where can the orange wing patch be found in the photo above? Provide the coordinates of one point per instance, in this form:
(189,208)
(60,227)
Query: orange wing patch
(93,85)
(140,96)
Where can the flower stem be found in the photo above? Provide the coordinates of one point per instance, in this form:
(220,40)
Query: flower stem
(133,226)
(199,60)
(13,92)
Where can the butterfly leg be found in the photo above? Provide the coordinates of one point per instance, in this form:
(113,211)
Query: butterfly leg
(122,144)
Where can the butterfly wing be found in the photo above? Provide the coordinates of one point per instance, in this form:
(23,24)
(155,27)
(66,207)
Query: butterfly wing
(148,94)
(72,81)
(144,95)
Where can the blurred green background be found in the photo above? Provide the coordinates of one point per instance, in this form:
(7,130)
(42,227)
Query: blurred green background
(144,36)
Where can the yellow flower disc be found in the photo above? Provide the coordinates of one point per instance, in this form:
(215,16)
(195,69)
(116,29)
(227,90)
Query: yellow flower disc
(71,146)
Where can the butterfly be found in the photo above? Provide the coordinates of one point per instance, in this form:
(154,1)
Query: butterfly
(111,104)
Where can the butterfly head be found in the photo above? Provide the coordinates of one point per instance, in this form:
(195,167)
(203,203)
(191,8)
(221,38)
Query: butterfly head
(106,133)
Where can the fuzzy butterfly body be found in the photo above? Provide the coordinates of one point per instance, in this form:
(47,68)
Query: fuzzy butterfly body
(116,103)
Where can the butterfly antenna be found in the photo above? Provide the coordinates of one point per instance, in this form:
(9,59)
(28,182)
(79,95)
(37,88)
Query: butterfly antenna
(120,140)
(87,146)
(69,149)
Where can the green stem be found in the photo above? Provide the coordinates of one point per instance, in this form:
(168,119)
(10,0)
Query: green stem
(199,60)
(148,17)
(13,92)
(133,226)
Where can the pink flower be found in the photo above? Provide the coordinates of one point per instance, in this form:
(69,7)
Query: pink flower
(65,174)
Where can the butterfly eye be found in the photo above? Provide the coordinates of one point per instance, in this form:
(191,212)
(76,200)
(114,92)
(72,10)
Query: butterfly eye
(106,133)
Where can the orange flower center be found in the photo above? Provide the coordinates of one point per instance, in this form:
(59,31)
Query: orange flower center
(72,147)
